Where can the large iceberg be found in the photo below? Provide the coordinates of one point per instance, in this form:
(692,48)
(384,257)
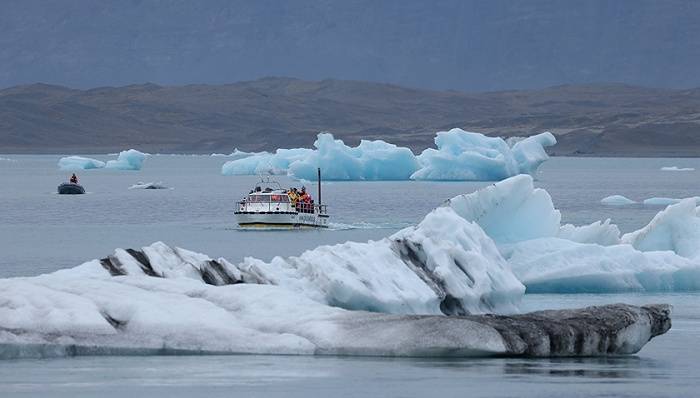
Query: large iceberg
(160,300)
(79,163)
(127,160)
(548,257)
(460,155)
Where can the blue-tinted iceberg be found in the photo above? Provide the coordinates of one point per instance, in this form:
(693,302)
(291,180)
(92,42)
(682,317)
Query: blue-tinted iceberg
(460,155)
(79,163)
(127,160)
(676,229)
(550,258)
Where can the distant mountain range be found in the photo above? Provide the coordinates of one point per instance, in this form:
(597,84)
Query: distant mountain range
(265,114)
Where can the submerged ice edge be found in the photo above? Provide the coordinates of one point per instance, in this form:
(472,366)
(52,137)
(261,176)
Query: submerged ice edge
(459,155)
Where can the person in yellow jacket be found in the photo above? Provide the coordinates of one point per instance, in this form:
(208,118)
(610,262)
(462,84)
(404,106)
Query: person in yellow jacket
(293,196)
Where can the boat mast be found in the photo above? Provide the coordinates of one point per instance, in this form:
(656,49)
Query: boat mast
(319,186)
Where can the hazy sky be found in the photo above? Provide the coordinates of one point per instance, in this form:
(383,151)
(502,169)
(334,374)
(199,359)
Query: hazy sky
(449,44)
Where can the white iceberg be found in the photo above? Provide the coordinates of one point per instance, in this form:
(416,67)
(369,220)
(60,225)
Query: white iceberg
(676,229)
(460,155)
(168,301)
(617,200)
(676,168)
(600,232)
(453,268)
(128,160)
(510,211)
(79,163)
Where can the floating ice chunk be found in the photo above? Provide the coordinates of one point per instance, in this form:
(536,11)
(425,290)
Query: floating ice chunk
(552,265)
(127,160)
(149,185)
(603,233)
(79,163)
(510,211)
(2,159)
(443,265)
(529,153)
(676,168)
(462,155)
(617,200)
(677,228)
(264,162)
(159,300)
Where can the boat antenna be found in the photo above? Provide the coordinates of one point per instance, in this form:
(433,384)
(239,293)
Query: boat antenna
(319,185)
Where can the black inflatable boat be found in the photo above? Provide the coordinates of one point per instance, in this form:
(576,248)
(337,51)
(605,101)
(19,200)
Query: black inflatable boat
(70,189)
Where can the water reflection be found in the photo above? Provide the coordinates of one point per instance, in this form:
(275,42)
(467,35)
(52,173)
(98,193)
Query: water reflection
(612,368)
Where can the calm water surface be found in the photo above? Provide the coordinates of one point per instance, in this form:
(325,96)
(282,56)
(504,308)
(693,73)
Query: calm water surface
(41,232)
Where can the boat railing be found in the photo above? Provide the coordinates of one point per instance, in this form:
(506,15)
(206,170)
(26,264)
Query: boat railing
(274,206)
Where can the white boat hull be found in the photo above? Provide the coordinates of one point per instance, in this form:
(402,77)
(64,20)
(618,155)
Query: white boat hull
(281,220)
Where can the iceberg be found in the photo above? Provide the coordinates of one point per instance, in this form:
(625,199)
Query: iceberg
(676,168)
(443,265)
(617,200)
(604,233)
(369,161)
(264,162)
(160,300)
(554,265)
(79,163)
(676,229)
(149,185)
(550,258)
(127,160)
(510,211)
(460,155)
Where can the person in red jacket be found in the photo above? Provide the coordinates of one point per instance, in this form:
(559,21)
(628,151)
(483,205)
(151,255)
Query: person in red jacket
(74,179)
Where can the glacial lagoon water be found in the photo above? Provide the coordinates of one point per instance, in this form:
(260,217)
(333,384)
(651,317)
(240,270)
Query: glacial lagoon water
(42,232)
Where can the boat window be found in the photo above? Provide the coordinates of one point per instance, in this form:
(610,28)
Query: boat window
(259,199)
(279,198)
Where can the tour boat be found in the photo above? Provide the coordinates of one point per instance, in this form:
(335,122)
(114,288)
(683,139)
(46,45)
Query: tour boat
(270,206)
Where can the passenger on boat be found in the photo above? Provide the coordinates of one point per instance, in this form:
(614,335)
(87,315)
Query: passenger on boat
(306,201)
(293,196)
(74,179)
